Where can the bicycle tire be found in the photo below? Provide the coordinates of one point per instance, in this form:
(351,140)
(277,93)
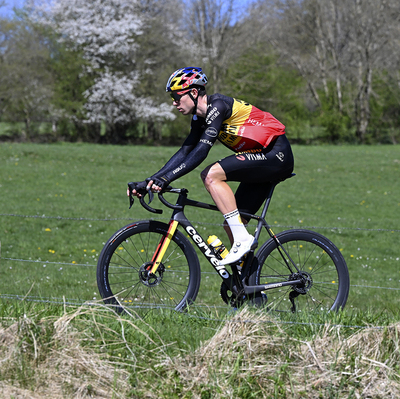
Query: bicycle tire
(126,256)
(320,261)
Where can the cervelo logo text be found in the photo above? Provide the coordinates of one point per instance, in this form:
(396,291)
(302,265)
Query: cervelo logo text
(207,252)
(183,166)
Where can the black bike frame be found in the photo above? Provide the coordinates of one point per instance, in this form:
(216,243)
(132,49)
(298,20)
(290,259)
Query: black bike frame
(233,281)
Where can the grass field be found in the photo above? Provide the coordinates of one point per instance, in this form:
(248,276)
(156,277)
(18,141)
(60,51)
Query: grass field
(59,205)
(61,202)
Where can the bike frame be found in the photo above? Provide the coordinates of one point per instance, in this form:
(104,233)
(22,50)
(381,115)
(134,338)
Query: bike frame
(233,281)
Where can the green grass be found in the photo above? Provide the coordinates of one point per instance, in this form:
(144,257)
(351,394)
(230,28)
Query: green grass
(351,194)
(173,355)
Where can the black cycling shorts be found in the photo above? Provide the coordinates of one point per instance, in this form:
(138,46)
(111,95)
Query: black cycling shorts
(256,170)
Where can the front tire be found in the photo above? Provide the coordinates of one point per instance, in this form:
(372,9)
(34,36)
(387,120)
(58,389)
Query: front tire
(322,267)
(122,269)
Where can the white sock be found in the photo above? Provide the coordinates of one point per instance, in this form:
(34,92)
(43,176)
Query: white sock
(238,229)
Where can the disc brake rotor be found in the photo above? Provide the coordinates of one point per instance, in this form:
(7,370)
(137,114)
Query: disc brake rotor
(151,279)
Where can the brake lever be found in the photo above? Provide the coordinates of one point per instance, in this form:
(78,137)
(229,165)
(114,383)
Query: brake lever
(133,186)
(151,196)
(131,197)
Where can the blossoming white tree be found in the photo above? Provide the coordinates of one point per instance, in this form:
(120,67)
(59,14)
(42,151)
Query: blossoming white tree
(106,31)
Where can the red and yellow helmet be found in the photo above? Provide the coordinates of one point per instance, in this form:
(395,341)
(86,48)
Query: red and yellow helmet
(186,78)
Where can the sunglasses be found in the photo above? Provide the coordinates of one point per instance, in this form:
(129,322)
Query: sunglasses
(177,96)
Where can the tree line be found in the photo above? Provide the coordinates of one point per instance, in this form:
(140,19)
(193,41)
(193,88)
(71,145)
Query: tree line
(95,70)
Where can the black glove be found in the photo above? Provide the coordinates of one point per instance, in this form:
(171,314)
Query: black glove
(161,182)
(139,186)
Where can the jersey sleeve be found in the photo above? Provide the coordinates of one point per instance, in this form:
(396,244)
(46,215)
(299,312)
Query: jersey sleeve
(192,153)
(203,135)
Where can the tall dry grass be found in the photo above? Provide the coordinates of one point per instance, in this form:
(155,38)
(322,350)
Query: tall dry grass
(51,359)
(253,355)
(250,356)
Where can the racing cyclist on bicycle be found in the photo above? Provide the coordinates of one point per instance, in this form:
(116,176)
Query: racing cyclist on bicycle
(262,153)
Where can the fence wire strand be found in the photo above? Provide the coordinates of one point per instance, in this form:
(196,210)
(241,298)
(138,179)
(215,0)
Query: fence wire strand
(194,222)
(76,302)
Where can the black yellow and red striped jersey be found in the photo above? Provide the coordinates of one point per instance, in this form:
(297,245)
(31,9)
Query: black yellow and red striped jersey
(239,125)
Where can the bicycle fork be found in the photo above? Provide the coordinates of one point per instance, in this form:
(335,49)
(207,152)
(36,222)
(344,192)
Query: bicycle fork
(162,247)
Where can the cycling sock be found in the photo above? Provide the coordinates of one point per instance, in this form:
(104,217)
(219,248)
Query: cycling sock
(236,225)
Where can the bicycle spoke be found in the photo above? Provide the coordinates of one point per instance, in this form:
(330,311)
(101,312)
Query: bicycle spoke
(127,261)
(318,283)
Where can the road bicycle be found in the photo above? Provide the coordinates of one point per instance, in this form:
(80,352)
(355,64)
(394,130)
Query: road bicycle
(152,264)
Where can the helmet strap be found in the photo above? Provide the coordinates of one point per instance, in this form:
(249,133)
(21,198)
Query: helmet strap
(194,101)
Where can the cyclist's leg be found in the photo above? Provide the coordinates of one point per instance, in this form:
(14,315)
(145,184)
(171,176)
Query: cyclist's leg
(260,166)
(214,179)
(255,170)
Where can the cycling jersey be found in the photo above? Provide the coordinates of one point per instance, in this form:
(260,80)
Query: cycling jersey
(238,125)
(244,127)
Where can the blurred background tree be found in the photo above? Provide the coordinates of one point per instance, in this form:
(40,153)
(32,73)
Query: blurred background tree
(96,70)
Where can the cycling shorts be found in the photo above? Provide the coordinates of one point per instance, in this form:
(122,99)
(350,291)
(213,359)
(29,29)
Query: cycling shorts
(255,170)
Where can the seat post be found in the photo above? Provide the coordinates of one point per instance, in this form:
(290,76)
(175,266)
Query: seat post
(261,220)
(268,200)
(271,191)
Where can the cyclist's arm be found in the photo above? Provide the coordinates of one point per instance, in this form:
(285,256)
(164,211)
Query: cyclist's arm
(197,145)
(179,156)
(186,160)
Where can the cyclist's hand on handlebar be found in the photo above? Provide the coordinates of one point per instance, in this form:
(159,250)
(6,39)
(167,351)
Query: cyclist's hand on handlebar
(156,184)
(137,189)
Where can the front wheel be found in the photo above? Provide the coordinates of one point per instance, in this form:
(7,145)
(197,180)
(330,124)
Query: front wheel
(122,269)
(307,256)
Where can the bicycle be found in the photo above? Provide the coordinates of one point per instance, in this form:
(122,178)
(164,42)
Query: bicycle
(150,263)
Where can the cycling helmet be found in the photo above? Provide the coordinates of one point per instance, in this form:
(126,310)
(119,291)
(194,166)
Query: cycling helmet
(186,78)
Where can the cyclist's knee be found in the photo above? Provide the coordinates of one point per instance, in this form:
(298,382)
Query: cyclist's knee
(213,173)
(204,174)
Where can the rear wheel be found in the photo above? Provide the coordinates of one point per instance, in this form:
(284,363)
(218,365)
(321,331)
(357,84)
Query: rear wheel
(319,265)
(123,276)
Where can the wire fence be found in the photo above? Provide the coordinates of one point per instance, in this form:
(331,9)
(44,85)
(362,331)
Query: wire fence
(76,302)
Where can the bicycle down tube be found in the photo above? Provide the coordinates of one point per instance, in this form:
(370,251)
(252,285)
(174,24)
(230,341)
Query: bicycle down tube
(179,217)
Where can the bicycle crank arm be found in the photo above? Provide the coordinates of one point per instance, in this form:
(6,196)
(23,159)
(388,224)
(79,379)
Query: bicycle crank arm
(253,289)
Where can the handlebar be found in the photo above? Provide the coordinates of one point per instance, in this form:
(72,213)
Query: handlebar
(160,196)
(147,207)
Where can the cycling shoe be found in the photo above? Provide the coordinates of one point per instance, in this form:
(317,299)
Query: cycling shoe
(238,250)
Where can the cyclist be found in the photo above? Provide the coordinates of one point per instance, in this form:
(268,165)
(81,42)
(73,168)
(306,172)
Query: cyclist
(262,153)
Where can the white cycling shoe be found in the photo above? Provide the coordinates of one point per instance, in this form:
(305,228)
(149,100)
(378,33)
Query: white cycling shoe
(238,250)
